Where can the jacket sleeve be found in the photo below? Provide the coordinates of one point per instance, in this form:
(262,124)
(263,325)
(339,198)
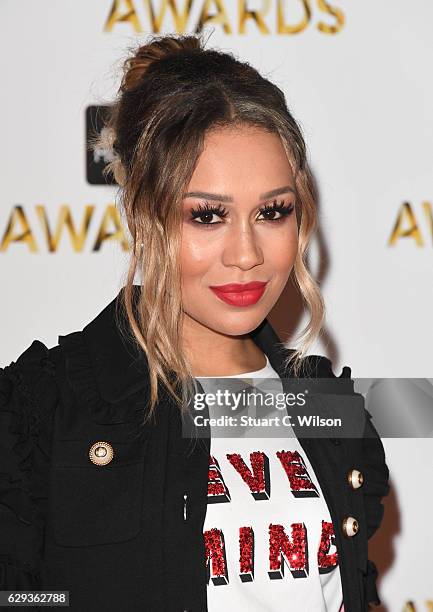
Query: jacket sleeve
(376,486)
(28,398)
(376,476)
(375,470)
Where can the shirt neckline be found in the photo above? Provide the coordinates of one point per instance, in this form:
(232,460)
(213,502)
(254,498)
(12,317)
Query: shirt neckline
(254,373)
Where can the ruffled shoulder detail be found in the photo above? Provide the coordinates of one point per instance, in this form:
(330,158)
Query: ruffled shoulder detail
(82,378)
(319,369)
(28,399)
(86,373)
(319,366)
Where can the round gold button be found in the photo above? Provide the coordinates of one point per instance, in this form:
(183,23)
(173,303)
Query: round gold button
(350,526)
(355,478)
(101,453)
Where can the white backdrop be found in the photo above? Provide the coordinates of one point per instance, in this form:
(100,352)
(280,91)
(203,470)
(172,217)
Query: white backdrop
(357,77)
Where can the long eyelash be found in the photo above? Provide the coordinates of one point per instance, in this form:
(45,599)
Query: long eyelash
(206,208)
(279,207)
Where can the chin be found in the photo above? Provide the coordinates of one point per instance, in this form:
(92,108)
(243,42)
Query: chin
(238,323)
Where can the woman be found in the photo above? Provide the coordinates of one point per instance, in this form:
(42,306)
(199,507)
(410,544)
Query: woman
(102,494)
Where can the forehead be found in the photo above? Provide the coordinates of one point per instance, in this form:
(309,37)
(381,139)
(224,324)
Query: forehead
(247,157)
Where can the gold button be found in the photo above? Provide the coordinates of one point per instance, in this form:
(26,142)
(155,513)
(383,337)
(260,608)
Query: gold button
(350,526)
(355,478)
(101,453)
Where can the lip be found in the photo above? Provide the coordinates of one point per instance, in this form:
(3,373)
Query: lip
(237,287)
(236,294)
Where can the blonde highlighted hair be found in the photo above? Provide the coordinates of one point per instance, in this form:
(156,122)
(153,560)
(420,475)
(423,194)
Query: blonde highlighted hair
(173,91)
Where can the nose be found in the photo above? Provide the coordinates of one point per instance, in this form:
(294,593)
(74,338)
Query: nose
(242,248)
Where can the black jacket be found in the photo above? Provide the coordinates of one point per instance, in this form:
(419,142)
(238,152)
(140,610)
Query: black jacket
(115,536)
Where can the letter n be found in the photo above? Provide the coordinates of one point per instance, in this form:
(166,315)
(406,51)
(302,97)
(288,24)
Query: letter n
(294,552)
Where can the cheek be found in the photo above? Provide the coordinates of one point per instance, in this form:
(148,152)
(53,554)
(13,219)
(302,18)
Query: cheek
(196,255)
(282,249)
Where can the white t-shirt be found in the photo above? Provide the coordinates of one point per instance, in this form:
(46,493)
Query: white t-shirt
(265,523)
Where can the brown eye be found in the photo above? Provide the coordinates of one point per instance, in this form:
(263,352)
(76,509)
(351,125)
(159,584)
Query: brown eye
(281,208)
(205,218)
(206,212)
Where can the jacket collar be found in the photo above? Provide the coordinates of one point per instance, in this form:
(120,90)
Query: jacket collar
(105,368)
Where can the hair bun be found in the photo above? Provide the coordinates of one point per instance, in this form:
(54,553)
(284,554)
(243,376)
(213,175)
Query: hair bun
(159,48)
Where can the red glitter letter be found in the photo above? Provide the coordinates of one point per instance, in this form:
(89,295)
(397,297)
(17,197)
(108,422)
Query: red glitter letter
(215,555)
(246,554)
(217,491)
(296,470)
(258,481)
(295,552)
(325,560)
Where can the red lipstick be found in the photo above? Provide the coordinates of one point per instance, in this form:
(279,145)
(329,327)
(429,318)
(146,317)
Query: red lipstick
(240,294)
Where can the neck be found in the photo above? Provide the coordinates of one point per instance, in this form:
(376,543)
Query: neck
(211,353)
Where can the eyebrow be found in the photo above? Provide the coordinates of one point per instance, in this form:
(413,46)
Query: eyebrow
(226,198)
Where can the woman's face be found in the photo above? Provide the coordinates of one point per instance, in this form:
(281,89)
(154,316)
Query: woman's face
(239,173)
